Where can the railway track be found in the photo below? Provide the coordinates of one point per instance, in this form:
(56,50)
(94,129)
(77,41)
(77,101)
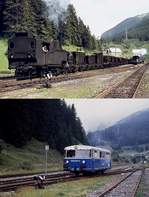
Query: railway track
(12,85)
(126,186)
(127,88)
(13,183)
(7,77)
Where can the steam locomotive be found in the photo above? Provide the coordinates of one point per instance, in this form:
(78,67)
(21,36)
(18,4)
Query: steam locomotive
(30,56)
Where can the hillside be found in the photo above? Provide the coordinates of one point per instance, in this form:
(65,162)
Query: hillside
(48,121)
(131,131)
(137,27)
(29,158)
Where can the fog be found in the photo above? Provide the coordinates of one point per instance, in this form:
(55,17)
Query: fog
(96,113)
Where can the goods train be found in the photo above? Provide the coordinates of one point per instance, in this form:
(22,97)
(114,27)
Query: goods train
(30,56)
(86,159)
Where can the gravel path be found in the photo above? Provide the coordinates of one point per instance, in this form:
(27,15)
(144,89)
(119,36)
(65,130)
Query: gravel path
(143,89)
(126,188)
(108,185)
(144,186)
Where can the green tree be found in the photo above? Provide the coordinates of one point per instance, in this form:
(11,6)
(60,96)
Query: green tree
(71,27)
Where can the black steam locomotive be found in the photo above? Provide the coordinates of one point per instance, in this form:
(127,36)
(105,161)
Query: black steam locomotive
(30,57)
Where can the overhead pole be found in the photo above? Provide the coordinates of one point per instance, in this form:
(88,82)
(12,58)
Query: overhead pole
(126,34)
(46,158)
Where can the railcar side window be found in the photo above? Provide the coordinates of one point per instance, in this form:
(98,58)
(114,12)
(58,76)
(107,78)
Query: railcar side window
(95,154)
(71,153)
(102,154)
(108,155)
(82,153)
(32,45)
(90,154)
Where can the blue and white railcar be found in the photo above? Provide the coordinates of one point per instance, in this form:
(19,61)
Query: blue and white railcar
(81,158)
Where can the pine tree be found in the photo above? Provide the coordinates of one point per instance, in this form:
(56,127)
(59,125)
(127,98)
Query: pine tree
(44,27)
(1,16)
(12,15)
(61,27)
(71,33)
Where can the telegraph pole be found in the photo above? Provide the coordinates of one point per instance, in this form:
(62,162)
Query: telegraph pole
(46,158)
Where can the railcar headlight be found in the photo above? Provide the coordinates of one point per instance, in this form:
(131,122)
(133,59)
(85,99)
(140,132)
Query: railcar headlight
(83,162)
(67,162)
(11,56)
(29,56)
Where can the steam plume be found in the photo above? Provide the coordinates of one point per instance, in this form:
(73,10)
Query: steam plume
(56,8)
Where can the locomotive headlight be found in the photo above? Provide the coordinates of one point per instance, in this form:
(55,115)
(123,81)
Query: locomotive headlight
(29,56)
(67,162)
(83,161)
(11,56)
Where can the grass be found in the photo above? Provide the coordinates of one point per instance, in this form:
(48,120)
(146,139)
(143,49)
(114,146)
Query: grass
(79,49)
(3,57)
(69,189)
(31,158)
(142,188)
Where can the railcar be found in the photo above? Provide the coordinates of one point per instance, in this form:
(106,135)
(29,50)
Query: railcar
(83,159)
(136,60)
(78,61)
(107,60)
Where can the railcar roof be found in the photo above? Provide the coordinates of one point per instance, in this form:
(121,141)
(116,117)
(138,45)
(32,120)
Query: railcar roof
(84,147)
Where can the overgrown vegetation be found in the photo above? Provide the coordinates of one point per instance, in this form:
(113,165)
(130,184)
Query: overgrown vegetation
(72,188)
(3,58)
(29,158)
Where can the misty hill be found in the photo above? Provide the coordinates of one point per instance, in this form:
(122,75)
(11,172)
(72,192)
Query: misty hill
(137,27)
(131,131)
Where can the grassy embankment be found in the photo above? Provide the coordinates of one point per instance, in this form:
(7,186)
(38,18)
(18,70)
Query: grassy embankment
(79,49)
(3,57)
(143,188)
(69,189)
(30,158)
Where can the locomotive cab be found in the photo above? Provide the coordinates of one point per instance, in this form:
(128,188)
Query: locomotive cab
(21,50)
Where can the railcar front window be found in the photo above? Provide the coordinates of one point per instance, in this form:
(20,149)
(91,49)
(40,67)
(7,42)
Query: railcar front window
(70,153)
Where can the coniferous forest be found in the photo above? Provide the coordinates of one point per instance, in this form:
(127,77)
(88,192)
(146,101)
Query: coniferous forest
(50,121)
(36,16)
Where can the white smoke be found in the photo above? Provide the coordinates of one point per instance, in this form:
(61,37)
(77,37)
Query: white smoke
(56,8)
